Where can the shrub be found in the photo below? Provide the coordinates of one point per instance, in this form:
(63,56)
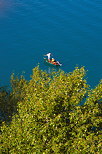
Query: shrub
(49,118)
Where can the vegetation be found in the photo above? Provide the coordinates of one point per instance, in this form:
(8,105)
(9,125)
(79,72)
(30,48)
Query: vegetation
(45,115)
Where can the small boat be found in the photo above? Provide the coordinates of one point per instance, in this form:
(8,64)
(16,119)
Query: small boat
(53,63)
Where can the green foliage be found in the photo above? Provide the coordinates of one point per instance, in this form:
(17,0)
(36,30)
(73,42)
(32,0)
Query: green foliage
(49,118)
(7,104)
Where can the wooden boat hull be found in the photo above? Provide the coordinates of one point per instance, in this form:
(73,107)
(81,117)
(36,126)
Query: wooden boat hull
(52,63)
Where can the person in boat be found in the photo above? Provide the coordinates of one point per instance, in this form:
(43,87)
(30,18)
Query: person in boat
(49,56)
(53,60)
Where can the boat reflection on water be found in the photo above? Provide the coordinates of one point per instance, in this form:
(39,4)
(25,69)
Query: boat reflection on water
(52,69)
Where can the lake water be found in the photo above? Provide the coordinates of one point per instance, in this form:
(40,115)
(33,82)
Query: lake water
(70,29)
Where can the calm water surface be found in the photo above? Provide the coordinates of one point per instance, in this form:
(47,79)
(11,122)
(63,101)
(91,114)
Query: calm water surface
(70,29)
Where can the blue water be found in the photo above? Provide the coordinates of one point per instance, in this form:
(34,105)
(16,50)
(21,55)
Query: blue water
(70,29)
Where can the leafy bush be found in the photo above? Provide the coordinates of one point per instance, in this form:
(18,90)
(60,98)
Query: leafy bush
(49,118)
